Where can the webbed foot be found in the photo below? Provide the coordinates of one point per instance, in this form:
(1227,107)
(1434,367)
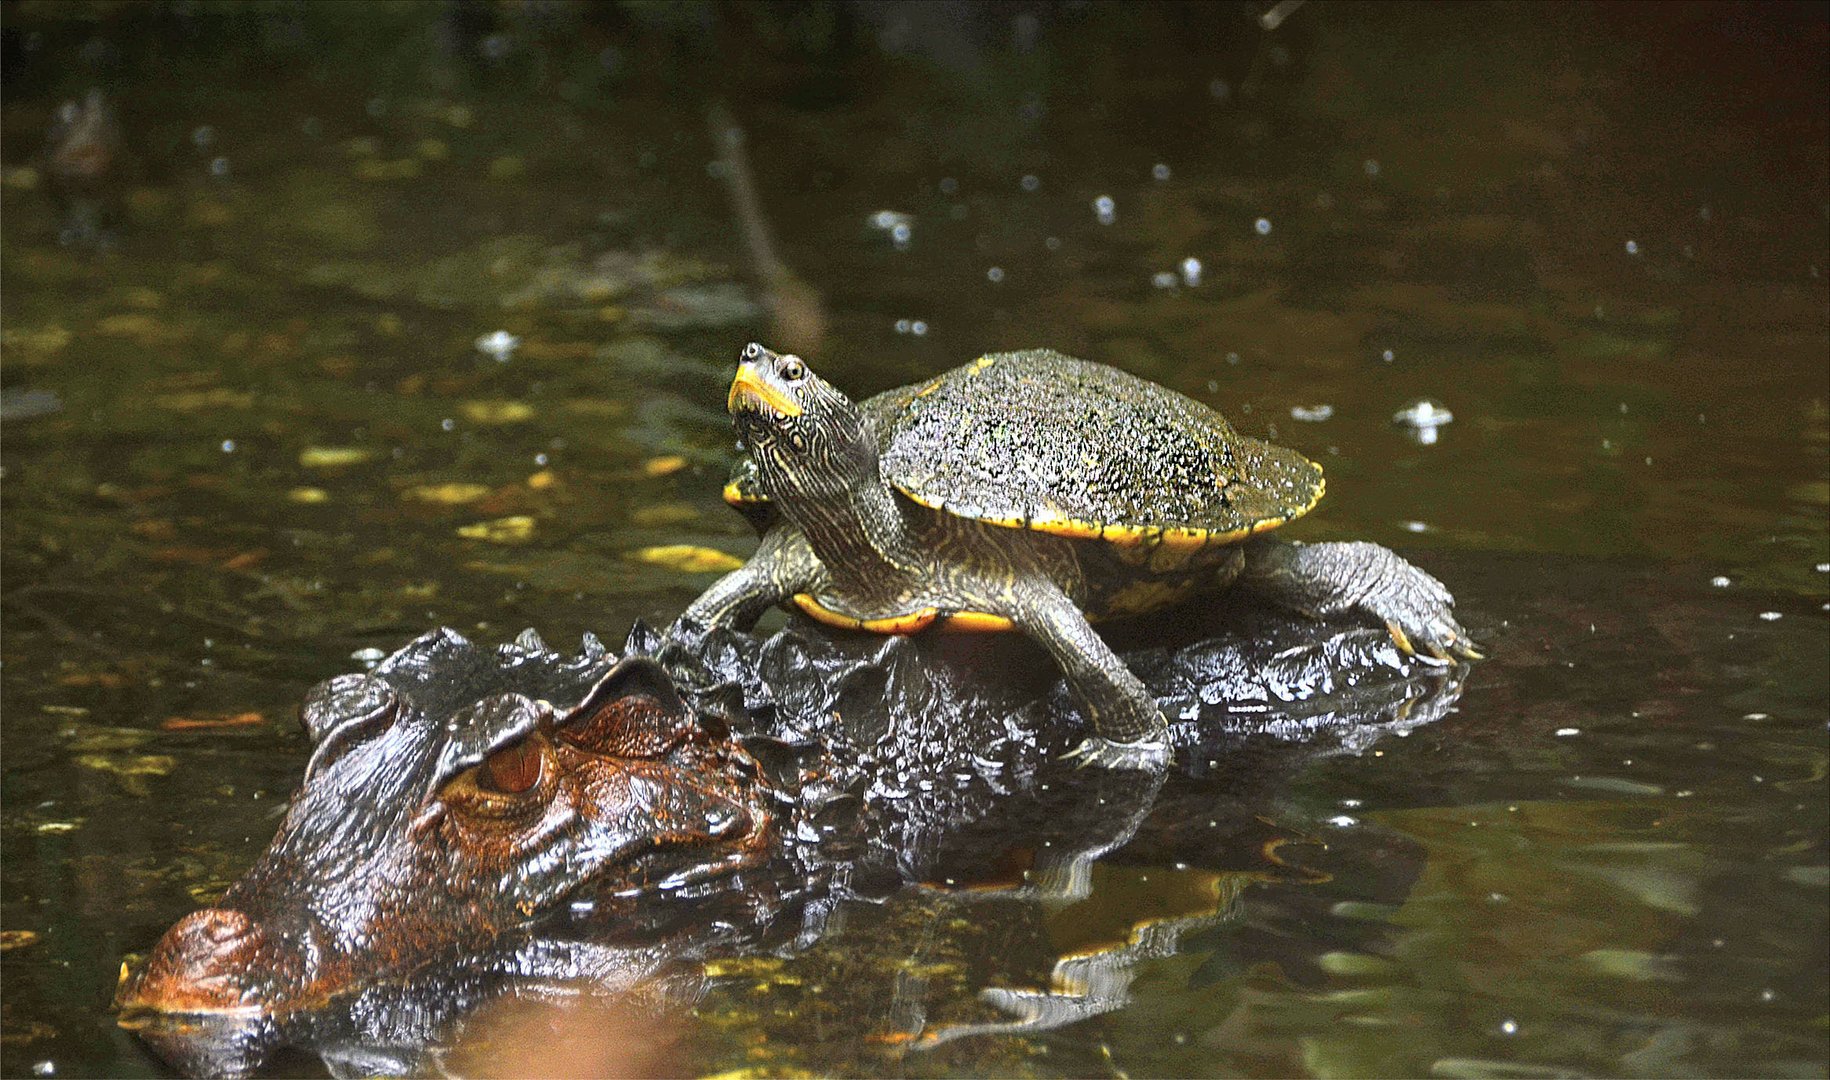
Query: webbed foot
(1144,755)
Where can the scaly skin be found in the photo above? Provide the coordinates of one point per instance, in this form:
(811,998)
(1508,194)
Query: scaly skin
(868,557)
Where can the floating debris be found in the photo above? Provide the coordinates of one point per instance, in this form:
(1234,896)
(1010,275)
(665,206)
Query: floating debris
(131,771)
(1422,418)
(499,345)
(308,496)
(515,529)
(453,494)
(17,939)
(333,457)
(209,723)
(665,465)
(687,557)
(496,412)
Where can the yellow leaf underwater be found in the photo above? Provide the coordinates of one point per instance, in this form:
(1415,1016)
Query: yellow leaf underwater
(687,557)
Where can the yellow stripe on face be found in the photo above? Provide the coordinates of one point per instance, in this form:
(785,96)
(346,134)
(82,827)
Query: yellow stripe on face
(749,386)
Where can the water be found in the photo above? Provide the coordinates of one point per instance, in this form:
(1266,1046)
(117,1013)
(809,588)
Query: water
(257,437)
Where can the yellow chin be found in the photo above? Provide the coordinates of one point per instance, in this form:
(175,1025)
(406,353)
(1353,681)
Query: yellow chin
(749,386)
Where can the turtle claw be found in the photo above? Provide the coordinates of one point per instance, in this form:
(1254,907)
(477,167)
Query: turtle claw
(1145,755)
(1416,610)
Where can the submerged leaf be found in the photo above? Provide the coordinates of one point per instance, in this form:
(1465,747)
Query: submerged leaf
(687,557)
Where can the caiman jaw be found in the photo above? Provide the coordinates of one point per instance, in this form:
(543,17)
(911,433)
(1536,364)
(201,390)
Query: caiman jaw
(749,387)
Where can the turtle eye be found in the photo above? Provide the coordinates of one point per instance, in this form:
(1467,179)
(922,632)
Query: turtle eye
(792,369)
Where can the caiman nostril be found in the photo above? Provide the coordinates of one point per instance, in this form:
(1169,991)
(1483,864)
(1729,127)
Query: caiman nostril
(209,961)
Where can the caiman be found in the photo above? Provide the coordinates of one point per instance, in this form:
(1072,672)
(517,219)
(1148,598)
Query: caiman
(470,816)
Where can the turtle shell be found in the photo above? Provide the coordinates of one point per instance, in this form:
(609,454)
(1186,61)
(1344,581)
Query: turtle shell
(1039,440)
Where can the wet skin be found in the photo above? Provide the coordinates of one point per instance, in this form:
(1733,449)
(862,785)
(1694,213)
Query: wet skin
(852,544)
(457,796)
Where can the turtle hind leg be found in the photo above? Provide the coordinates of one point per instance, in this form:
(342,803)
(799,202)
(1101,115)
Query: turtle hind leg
(1325,579)
(1129,731)
(781,567)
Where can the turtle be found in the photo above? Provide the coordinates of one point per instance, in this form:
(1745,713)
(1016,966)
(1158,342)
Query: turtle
(1035,492)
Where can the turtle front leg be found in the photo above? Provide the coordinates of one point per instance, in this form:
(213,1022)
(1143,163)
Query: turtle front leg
(1129,731)
(1324,579)
(781,567)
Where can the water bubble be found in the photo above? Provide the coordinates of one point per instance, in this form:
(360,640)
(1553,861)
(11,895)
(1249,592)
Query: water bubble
(311,127)
(1721,581)
(1343,821)
(1105,210)
(1030,182)
(1768,995)
(1416,526)
(1312,414)
(376,107)
(1052,243)
(1823,568)
(1704,213)
(948,185)
(1388,356)
(886,220)
(1771,616)
(1566,732)
(1509,1027)
(1262,226)
(1232,358)
(918,328)
(368,657)
(1219,89)
(995,274)
(228,446)
(1191,271)
(203,137)
(447,424)
(1160,171)
(1633,247)
(1164,280)
(1371,166)
(900,235)
(902,326)
(219,167)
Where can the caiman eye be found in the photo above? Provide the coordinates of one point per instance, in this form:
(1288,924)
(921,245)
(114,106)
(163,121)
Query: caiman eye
(792,369)
(513,770)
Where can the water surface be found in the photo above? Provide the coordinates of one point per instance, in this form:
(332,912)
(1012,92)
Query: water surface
(255,436)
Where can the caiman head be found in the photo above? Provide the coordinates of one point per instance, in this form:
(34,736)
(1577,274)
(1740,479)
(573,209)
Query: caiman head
(454,793)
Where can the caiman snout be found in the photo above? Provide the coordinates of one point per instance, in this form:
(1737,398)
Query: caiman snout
(208,962)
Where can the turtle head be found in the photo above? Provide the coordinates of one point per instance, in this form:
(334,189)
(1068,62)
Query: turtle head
(805,436)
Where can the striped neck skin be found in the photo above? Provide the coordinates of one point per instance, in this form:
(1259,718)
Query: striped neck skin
(822,470)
